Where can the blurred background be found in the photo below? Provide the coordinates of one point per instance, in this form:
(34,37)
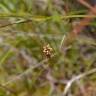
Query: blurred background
(27,28)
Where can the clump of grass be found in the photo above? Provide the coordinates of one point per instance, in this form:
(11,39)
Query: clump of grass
(26,26)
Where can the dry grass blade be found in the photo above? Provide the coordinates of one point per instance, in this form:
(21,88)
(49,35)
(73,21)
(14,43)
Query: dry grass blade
(27,71)
(74,79)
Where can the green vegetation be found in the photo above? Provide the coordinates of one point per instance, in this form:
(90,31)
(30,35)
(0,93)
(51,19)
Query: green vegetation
(28,26)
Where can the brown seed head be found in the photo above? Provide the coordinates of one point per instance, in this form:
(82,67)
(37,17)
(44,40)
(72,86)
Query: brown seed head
(47,50)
